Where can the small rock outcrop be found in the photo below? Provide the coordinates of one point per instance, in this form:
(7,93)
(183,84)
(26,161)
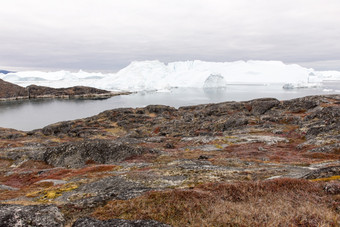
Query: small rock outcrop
(77,154)
(42,215)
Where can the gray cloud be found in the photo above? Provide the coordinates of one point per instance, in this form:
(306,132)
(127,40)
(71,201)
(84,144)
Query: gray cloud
(108,34)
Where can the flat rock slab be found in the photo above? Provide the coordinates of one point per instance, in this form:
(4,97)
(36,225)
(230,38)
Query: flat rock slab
(76,154)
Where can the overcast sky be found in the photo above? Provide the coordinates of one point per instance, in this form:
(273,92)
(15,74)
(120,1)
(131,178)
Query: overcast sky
(106,35)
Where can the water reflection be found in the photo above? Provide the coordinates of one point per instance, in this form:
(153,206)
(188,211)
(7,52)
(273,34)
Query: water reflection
(213,93)
(32,114)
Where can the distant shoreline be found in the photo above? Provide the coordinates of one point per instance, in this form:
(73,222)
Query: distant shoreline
(13,92)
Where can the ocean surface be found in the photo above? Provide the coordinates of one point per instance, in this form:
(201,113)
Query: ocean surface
(33,114)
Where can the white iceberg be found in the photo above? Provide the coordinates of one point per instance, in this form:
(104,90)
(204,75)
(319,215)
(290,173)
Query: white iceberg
(156,75)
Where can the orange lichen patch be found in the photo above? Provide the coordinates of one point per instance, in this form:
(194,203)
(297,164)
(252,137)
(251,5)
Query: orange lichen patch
(261,203)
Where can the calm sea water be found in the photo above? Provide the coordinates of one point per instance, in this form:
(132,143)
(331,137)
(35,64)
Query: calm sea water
(33,114)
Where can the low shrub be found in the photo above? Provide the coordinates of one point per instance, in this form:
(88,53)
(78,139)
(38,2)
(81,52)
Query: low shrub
(279,202)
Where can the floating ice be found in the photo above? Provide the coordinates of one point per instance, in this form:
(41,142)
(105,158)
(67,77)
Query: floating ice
(156,75)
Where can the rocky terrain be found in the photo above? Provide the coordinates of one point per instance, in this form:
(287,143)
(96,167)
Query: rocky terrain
(9,91)
(262,162)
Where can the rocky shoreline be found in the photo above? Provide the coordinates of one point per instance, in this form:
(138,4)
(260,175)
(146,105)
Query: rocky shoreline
(11,92)
(226,164)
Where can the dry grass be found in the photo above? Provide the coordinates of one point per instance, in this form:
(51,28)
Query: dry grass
(280,202)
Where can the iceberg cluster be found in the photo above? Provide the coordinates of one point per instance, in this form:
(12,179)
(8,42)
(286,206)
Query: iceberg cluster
(156,75)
